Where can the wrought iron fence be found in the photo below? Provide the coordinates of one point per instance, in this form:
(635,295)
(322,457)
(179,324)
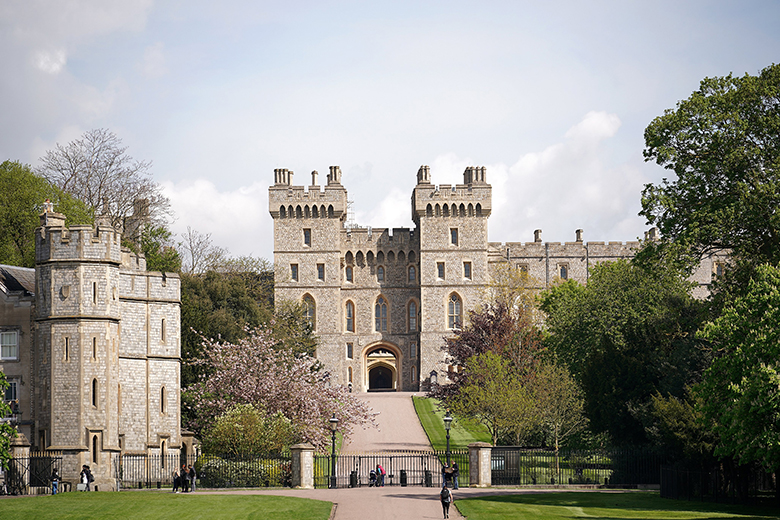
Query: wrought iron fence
(741,485)
(31,475)
(514,466)
(402,468)
(139,471)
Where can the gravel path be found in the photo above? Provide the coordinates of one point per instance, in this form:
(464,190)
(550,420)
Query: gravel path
(399,427)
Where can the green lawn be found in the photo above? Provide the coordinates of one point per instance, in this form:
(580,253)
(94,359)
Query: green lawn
(602,506)
(462,433)
(140,505)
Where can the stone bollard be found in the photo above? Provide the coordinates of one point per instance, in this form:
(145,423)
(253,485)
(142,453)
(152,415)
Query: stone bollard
(479,464)
(303,466)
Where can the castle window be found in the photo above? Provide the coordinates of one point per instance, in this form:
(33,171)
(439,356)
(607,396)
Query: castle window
(440,270)
(413,375)
(94,292)
(350,311)
(307,237)
(162,330)
(718,268)
(321,272)
(563,271)
(298,212)
(94,393)
(467,270)
(412,316)
(413,349)
(294,272)
(380,315)
(310,311)
(349,374)
(330,211)
(9,345)
(479,210)
(454,312)
(380,273)
(349,350)
(11,391)
(119,400)
(94,348)
(282,212)
(429,211)
(94,449)
(348,272)
(162,401)
(66,354)
(446,211)
(412,274)
(454,236)
(306,212)
(163,453)
(315,212)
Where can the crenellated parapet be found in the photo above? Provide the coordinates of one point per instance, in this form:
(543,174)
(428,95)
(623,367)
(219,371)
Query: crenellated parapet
(473,198)
(286,201)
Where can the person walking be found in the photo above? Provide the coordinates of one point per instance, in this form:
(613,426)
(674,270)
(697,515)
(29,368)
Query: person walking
(176,481)
(55,481)
(446,499)
(455,474)
(86,477)
(193,476)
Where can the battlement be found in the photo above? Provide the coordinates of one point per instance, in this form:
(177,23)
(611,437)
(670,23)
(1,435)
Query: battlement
(471,199)
(101,243)
(362,237)
(314,201)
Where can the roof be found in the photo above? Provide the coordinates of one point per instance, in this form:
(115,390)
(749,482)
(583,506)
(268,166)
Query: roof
(16,279)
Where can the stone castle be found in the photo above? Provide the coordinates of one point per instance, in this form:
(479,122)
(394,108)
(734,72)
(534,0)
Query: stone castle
(381,300)
(91,348)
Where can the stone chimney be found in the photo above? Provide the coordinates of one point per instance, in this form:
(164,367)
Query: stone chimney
(424,175)
(314,175)
(578,235)
(49,218)
(537,235)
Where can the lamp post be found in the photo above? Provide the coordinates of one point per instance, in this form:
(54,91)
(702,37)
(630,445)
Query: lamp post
(334,423)
(447,426)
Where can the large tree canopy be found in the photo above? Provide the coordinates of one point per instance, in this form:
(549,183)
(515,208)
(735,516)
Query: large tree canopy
(625,336)
(22,194)
(723,145)
(740,393)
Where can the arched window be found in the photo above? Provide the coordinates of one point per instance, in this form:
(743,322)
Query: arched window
(479,210)
(94,393)
(94,450)
(162,400)
(350,312)
(282,212)
(429,211)
(310,309)
(412,308)
(298,212)
(412,274)
(315,212)
(380,273)
(306,211)
(454,312)
(380,315)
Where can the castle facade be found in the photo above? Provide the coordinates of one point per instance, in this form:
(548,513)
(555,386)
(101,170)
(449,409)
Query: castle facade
(91,348)
(382,300)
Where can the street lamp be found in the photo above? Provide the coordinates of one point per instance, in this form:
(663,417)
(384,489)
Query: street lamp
(447,426)
(334,424)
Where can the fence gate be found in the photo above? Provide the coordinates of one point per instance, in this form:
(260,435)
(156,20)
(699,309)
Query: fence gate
(402,468)
(31,475)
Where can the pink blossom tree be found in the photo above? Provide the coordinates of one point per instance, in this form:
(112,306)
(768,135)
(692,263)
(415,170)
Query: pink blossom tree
(253,371)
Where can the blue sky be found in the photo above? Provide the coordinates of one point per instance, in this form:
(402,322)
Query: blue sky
(552,97)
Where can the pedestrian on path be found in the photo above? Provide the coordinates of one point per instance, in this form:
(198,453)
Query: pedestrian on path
(446,499)
(455,475)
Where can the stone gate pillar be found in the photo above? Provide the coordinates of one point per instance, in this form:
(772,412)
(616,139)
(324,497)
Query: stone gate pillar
(479,464)
(20,459)
(303,466)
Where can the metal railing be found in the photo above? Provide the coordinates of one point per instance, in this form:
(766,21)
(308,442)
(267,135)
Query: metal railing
(402,468)
(514,466)
(740,485)
(139,471)
(31,475)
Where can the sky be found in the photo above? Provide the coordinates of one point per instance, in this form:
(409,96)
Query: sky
(551,97)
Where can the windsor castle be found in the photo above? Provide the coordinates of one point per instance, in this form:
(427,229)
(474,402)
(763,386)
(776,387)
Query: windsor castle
(382,300)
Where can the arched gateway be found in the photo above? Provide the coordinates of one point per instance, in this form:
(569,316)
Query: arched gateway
(382,367)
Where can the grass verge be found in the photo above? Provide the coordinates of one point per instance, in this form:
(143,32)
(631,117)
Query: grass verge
(462,433)
(141,505)
(603,505)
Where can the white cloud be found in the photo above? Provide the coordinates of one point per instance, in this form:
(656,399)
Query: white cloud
(154,64)
(50,62)
(237,220)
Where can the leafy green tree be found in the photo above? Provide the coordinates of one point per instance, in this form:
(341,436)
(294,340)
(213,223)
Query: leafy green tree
(680,430)
(739,393)
(156,243)
(625,336)
(22,194)
(723,146)
(7,432)
(246,429)
(493,394)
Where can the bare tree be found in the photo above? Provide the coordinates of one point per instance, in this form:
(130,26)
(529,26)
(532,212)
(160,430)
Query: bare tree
(97,170)
(200,254)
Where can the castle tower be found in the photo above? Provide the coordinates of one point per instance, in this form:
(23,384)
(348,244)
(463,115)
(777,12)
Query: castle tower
(452,222)
(107,351)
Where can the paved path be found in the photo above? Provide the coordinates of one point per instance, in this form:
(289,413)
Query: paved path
(399,427)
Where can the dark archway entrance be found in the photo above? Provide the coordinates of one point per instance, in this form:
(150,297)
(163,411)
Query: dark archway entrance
(380,379)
